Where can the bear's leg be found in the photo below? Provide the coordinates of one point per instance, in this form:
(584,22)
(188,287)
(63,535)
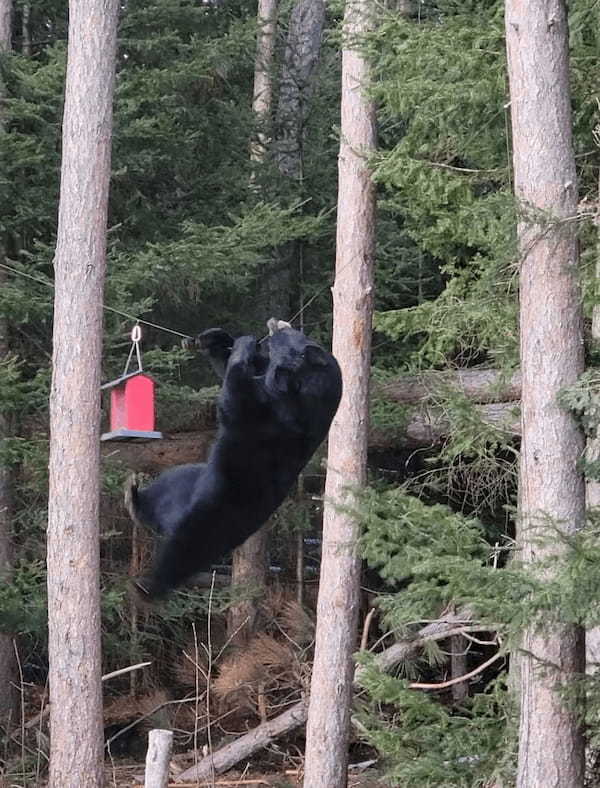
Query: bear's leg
(174,563)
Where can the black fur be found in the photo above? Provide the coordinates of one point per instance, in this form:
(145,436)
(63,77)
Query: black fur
(275,408)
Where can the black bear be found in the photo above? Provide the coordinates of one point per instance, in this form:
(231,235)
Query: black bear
(275,407)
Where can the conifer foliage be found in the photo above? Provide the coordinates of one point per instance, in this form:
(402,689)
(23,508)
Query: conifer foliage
(195,222)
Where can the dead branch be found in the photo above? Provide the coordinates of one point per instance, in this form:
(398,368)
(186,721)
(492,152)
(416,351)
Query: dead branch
(459,679)
(232,783)
(46,710)
(230,754)
(226,757)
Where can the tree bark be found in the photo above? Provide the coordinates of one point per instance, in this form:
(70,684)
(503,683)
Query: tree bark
(458,667)
(76,753)
(8,665)
(300,60)
(262,99)
(551,487)
(592,453)
(158,757)
(26,29)
(5,29)
(483,385)
(337,610)
(249,573)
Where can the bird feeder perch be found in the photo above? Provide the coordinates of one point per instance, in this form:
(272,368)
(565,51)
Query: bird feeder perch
(132,400)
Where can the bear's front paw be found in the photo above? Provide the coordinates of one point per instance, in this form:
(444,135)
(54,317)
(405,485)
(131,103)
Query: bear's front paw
(244,351)
(144,592)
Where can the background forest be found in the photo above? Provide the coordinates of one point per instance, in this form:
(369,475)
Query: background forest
(201,234)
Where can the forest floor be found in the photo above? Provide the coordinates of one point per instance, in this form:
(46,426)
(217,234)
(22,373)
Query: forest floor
(131,775)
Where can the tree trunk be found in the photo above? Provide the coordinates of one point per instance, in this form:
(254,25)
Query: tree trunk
(300,60)
(458,667)
(249,572)
(76,753)
(592,492)
(262,100)
(249,566)
(8,666)
(158,758)
(551,487)
(337,612)
(5,29)
(26,29)
(296,84)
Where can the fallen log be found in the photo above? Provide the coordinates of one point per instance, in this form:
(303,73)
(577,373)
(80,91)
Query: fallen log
(226,757)
(230,754)
(153,456)
(430,425)
(426,426)
(495,395)
(479,384)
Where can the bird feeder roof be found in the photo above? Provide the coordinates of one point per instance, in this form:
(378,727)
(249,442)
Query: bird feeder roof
(117,382)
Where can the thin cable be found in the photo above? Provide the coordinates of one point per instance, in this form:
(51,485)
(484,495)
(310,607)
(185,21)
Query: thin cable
(46,283)
(147,322)
(137,319)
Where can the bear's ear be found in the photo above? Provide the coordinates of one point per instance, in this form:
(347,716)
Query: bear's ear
(316,356)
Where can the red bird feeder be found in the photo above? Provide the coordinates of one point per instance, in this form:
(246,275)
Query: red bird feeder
(131,400)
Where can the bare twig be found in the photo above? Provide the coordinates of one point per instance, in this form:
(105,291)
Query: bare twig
(365,633)
(227,756)
(122,671)
(440,165)
(45,711)
(450,682)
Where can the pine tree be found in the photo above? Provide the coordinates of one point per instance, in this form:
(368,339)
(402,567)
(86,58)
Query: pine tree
(77,750)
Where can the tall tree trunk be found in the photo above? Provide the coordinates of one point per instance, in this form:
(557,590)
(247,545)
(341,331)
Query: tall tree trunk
(592,638)
(73,538)
(262,99)
(296,86)
(250,559)
(249,572)
(337,613)
(26,28)
(551,487)
(300,60)
(5,27)
(8,666)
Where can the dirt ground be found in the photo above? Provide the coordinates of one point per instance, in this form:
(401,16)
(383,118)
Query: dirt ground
(132,776)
